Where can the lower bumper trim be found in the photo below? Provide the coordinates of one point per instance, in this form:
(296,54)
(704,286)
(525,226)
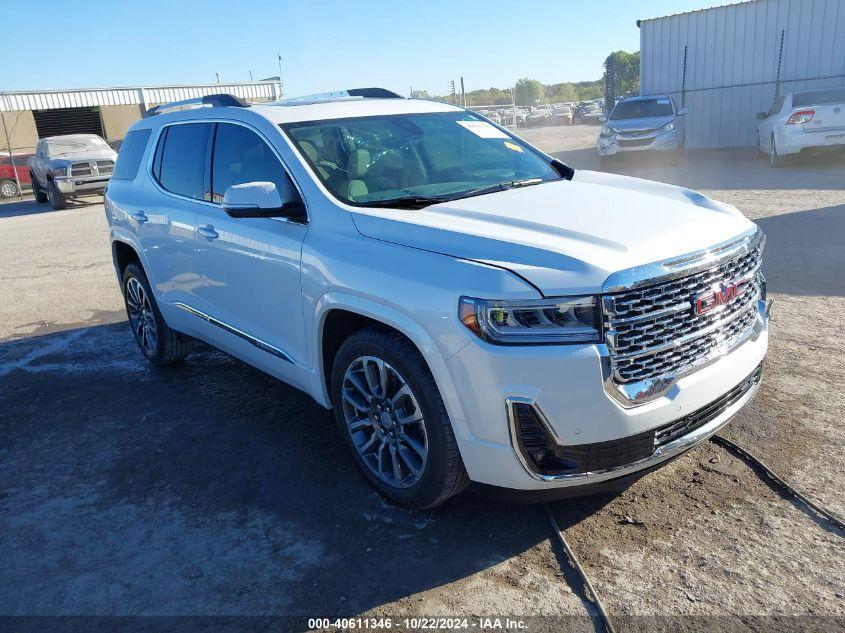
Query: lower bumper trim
(670,440)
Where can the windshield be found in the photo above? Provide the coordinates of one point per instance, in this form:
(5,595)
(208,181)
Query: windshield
(416,156)
(60,147)
(642,109)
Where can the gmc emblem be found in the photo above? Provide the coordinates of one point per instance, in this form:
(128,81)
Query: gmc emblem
(721,294)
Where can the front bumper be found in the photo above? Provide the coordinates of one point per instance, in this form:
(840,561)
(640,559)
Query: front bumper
(624,143)
(567,384)
(82,186)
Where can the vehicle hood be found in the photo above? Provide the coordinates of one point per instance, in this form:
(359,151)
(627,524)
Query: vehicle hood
(564,237)
(105,153)
(635,125)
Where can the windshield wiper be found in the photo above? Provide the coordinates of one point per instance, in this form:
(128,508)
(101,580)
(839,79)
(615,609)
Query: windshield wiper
(406,202)
(501,186)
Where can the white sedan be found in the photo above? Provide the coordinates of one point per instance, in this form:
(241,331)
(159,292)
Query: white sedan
(811,119)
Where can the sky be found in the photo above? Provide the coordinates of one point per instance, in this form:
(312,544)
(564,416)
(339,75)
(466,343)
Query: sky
(325,45)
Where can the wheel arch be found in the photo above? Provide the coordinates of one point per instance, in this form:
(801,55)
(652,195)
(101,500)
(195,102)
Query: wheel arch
(340,315)
(124,254)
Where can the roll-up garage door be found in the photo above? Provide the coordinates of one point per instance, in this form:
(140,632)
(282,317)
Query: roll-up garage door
(68,121)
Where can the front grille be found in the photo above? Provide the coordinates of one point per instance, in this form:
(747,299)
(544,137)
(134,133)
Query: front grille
(633,142)
(702,416)
(93,168)
(81,169)
(652,331)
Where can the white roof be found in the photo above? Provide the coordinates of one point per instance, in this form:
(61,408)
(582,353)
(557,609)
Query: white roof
(348,108)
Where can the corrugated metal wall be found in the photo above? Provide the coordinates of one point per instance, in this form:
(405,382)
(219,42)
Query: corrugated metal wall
(53,99)
(732,61)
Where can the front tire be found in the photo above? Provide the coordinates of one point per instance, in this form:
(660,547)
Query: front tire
(56,197)
(158,342)
(391,416)
(37,191)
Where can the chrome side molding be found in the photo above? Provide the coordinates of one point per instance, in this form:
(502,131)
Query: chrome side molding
(257,342)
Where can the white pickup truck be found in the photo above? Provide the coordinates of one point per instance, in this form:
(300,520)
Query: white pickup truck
(471,308)
(69,166)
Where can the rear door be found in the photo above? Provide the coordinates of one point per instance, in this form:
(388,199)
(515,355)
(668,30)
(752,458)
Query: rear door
(166,216)
(249,268)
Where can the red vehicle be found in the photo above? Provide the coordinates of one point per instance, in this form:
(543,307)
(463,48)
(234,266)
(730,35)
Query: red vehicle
(9,165)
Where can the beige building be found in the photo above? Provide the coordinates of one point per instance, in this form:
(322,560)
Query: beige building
(30,115)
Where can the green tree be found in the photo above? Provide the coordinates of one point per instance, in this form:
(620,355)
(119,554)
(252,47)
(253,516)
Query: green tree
(420,94)
(627,71)
(529,92)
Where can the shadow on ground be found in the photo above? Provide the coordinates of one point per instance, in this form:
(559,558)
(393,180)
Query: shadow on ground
(206,488)
(14,208)
(805,252)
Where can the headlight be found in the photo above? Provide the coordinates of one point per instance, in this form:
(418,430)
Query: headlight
(561,320)
(59,172)
(668,127)
(607,131)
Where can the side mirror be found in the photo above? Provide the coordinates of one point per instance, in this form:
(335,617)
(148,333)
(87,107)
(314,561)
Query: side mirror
(260,200)
(762,115)
(683,111)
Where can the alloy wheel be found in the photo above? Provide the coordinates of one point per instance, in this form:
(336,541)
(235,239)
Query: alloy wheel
(141,316)
(8,189)
(384,421)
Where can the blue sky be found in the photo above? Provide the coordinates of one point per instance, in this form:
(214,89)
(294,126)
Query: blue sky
(325,45)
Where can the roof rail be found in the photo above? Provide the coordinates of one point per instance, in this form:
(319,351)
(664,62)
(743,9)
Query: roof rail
(341,95)
(214,101)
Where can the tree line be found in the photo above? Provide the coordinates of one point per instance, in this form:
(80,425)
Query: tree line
(531,92)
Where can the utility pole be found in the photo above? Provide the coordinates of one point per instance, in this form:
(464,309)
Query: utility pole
(463,94)
(281,85)
(218,77)
(452,94)
(250,75)
(513,100)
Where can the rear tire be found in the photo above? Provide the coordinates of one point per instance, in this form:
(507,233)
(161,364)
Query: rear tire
(56,197)
(371,371)
(158,342)
(37,191)
(760,154)
(8,188)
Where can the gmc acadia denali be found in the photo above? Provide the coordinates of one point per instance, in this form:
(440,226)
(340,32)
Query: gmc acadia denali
(471,308)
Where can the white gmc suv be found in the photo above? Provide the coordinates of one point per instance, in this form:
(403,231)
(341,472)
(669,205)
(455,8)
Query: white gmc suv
(471,308)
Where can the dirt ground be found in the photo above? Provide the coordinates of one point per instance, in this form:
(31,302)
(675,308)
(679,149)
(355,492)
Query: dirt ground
(210,488)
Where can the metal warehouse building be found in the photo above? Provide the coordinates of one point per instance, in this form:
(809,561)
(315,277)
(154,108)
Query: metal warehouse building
(728,63)
(108,112)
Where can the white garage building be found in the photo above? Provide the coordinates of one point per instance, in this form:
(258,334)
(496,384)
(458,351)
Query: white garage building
(107,112)
(728,63)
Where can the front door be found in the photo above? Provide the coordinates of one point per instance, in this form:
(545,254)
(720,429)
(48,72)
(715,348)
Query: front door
(249,268)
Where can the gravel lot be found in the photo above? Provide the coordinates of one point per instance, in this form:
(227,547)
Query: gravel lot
(210,488)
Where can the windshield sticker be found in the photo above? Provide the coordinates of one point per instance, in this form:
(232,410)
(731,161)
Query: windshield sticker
(483,129)
(663,101)
(513,146)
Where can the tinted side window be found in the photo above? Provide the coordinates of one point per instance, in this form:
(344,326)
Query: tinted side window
(183,159)
(240,156)
(130,154)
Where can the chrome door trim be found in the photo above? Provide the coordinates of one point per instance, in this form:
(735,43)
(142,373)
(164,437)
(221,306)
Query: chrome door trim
(257,342)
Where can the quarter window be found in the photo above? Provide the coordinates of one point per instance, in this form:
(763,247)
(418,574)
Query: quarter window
(182,168)
(130,154)
(241,156)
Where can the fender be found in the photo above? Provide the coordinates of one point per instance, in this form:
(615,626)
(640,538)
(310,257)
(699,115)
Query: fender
(404,324)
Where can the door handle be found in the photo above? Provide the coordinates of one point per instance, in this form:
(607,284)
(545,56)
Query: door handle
(140,217)
(208,232)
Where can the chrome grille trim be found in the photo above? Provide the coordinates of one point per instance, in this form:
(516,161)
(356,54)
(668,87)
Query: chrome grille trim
(652,336)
